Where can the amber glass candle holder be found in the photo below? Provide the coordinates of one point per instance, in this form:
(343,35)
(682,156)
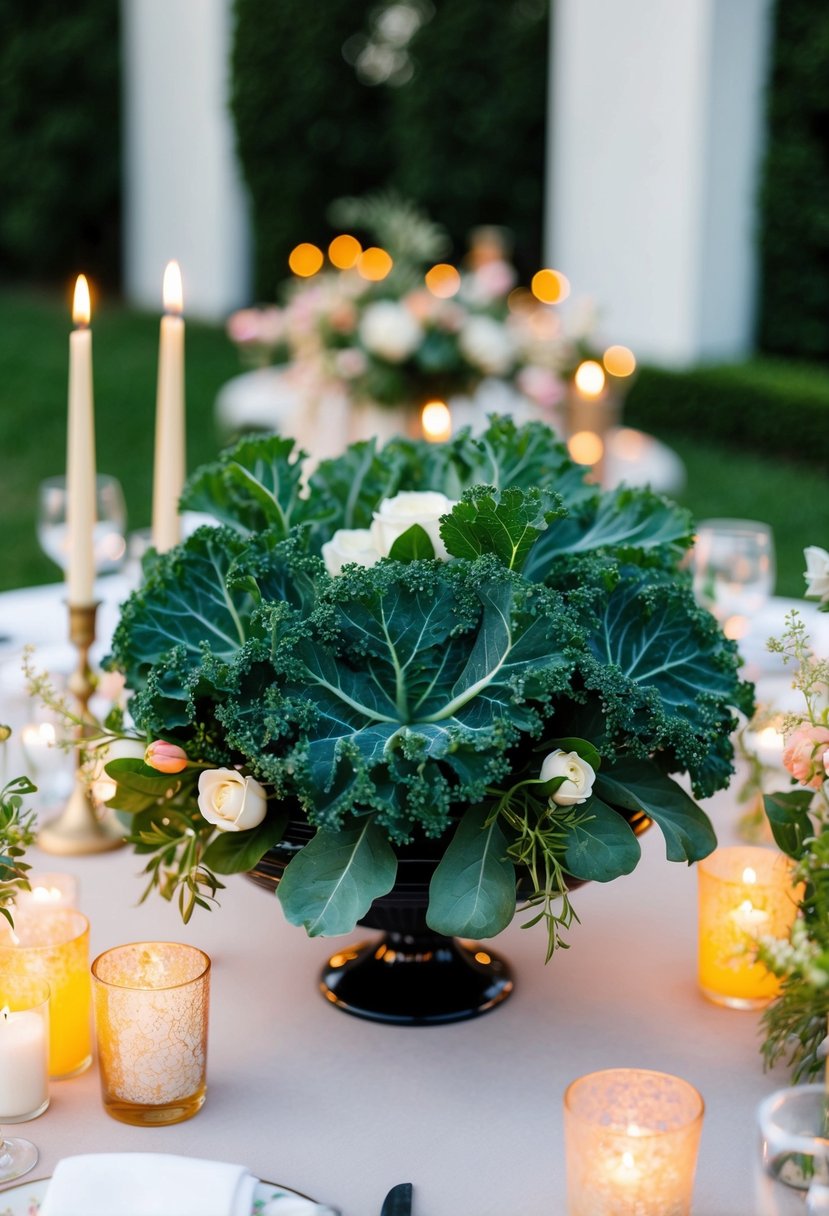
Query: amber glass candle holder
(54,946)
(151,1005)
(632,1138)
(745,893)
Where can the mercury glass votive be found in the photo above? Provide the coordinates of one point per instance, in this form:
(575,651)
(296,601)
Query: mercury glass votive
(631,1140)
(24,1048)
(744,893)
(151,1007)
(54,946)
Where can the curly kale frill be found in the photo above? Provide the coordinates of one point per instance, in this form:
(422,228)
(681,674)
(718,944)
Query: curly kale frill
(406,692)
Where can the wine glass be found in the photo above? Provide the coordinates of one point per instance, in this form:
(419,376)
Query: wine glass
(109,535)
(733,566)
(17,1157)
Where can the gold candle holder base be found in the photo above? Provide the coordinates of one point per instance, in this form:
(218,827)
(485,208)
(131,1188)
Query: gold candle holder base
(78,829)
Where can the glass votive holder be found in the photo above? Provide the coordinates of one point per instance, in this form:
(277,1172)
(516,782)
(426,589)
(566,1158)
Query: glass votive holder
(794,1151)
(47,891)
(151,1006)
(24,1048)
(631,1140)
(745,893)
(54,946)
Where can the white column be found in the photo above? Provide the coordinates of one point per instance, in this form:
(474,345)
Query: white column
(657,121)
(184,198)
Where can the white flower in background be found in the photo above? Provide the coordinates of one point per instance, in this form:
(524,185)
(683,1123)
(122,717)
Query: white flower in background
(349,545)
(389,330)
(231,802)
(817,573)
(488,345)
(579,777)
(396,515)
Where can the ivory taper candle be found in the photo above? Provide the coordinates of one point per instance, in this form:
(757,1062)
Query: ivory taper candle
(80,454)
(168,475)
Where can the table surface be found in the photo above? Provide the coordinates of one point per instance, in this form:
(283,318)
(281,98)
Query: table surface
(471,1113)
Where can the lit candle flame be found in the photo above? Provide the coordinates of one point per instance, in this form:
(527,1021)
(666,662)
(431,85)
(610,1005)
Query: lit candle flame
(749,875)
(590,378)
(436,421)
(81,307)
(171,291)
(4,1013)
(45,895)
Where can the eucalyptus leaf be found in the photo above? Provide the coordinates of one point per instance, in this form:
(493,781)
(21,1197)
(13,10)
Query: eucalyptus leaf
(788,816)
(600,844)
(333,881)
(639,785)
(235,852)
(472,892)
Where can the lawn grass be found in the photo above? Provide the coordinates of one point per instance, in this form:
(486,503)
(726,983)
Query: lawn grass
(792,497)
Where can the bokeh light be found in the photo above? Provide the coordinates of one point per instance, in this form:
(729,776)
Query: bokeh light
(374,264)
(344,251)
(443,281)
(305,260)
(436,421)
(590,378)
(550,286)
(619,361)
(585,447)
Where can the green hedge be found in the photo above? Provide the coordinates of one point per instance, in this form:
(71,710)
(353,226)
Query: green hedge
(464,137)
(60,138)
(794,233)
(771,407)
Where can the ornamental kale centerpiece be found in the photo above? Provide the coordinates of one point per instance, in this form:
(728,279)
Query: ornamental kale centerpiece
(461,644)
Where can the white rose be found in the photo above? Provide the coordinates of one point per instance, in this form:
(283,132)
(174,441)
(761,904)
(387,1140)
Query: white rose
(579,777)
(349,545)
(390,331)
(488,345)
(396,515)
(817,572)
(230,801)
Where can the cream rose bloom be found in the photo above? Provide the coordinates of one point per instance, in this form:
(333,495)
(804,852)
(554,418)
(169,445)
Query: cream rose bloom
(349,545)
(579,777)
(389,330)
(817,572)
(230,801)
(396,515)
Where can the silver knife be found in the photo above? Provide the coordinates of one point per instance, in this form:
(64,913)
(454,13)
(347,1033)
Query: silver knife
(398,1202)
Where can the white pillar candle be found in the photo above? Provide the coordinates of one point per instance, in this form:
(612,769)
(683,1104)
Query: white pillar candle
(80,454)
(24,1080)
(168,474)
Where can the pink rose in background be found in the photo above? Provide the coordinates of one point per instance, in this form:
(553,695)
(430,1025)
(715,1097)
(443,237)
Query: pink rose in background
(541,385)
(243,326)
(806,755)
(165,757)
(343,317)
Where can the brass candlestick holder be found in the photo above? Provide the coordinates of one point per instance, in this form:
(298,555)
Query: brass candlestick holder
(79,828)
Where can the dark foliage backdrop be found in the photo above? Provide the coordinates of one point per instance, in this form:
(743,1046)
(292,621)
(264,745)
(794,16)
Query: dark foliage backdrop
(794,228)
(454,118)
(60,139)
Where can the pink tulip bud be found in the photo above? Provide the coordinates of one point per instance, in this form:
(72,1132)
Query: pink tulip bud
(165,757)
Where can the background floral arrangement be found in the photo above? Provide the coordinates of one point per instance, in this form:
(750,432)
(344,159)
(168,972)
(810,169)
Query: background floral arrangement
(517,705)
(410,337)
(796,1022)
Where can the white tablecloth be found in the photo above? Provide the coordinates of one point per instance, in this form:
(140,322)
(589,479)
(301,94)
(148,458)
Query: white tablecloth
(471,1113)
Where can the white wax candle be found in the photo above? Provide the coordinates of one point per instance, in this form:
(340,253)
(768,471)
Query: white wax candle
(80,454)
(168,475)
(24,1080)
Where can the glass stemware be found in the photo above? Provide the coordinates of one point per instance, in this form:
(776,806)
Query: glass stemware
(17,1157)
(733,567)
(110,544)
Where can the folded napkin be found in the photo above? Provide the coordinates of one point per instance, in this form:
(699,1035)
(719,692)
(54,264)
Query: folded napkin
(147,1184)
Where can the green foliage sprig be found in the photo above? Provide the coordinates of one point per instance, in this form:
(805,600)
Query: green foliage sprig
(17,834)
